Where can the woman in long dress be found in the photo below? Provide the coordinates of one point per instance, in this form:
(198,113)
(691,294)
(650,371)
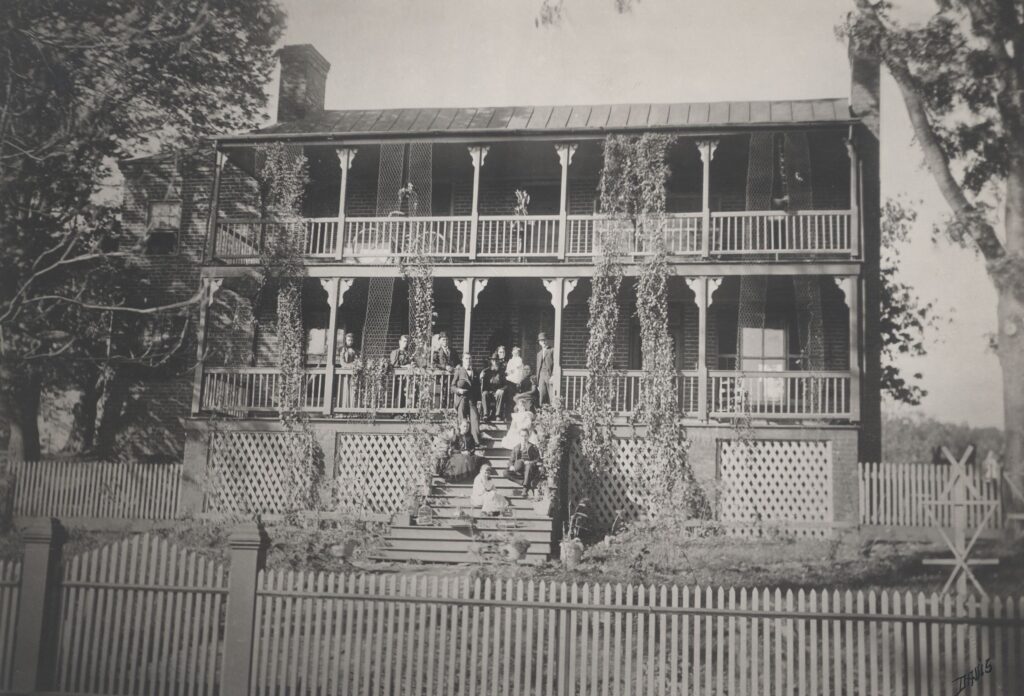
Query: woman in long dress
(522,419)
(484,496)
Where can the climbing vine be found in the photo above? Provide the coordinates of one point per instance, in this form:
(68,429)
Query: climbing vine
(282,177)
(418,271)
(633,195)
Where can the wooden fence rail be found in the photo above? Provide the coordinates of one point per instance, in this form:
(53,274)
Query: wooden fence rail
(892,493)
(143,616)
(122,490)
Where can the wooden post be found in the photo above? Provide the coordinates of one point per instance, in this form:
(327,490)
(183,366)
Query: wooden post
(565,153)
(35,646)
(331,286)
(209,287)
(559,288)
(245,542)
(704,289)
(478,154)
(851,290)
(851,151)
(211,227)
(707,153)
(345,157)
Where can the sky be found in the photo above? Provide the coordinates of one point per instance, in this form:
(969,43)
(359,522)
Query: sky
(450,53)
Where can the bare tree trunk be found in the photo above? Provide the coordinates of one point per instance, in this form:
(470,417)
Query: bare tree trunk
(115,395)
(19,408)
(1010,315)
(83,429)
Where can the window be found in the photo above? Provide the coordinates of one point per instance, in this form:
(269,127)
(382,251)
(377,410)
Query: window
(163,226)
(764,350)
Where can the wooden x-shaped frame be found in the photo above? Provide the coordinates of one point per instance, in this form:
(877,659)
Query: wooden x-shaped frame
(960,548)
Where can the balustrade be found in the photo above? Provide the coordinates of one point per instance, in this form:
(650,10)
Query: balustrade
(807,232)
(734,394)
(378,239)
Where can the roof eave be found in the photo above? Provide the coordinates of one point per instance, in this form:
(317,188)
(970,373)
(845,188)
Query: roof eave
(481,134)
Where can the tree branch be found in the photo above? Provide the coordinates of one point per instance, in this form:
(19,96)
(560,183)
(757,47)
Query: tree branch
(966,215)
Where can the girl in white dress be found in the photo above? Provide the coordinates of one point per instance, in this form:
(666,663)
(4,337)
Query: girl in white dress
(514,367)
(484,496)
(522,418)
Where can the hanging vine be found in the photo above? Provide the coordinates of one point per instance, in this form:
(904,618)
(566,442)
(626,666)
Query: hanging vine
(282,176)
(597,444)
(633,194)
(418,271)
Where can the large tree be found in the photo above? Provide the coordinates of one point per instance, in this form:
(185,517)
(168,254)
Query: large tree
(961,77)
(84,83)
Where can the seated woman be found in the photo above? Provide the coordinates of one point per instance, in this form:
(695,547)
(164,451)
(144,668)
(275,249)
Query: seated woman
(514,366)
(464,461)
(522,419)
(484,496)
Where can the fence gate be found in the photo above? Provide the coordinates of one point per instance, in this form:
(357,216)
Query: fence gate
(141,616)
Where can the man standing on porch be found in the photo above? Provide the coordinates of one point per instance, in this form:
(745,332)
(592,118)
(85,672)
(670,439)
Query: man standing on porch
(545,368)
(467,393)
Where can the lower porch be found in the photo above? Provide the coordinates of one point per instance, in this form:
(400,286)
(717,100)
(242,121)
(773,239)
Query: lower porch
(768,348)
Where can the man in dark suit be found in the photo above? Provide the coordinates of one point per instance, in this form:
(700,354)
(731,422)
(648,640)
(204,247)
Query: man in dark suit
(545,368)
(525,462)
(401,356)
(443,358)
(467,392)
(492,388)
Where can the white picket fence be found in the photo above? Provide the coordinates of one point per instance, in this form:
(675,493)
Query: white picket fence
(122,490)
(892,494)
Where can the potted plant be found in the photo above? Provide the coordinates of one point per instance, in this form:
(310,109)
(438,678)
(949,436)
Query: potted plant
(516,547)
(571,547)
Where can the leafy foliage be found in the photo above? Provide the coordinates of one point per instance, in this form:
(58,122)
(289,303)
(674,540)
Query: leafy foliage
(633,195)
(86,84)
(905,319)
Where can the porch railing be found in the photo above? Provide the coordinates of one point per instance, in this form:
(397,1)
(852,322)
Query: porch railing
(807,232)
(513,236)
(626,390)
(243,239)
(812,233)
(256,389)
(368,237)
(733,394)
(398,392)
(682,234)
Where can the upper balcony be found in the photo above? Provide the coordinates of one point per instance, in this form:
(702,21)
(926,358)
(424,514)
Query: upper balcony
(748,196)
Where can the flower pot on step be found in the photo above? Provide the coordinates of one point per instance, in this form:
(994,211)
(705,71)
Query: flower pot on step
(571,552)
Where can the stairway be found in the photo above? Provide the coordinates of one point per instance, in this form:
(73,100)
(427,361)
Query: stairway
(451,540)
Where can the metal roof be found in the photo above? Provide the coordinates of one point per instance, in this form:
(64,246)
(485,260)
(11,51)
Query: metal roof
(559,119)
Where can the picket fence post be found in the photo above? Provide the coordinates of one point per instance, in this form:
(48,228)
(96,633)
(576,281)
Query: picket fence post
(245,542)
(36,648)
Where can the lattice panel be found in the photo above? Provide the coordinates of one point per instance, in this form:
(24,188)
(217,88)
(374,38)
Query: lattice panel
(249,471)
(776,481)
(619,490)
(373,471)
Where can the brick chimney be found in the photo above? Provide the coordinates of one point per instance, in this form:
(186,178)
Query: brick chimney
(303,82)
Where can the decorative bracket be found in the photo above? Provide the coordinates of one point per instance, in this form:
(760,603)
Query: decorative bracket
(707,150)
(478,287)
(478,153)
(465,287)
(344,285)
(212,286)
(566,151)
(846,285)
(330,286)
(346,155)
(568,287)
(713,285)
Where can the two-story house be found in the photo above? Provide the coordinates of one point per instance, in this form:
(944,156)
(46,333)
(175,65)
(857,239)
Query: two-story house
(772,226)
